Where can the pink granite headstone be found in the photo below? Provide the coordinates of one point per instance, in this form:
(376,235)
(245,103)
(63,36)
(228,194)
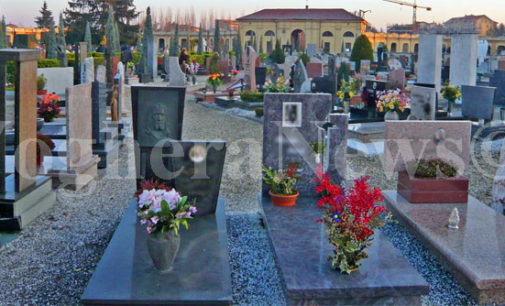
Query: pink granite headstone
(249,65)
(410,141)
(314,70)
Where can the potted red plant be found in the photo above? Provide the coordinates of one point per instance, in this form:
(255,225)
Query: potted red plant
(282,183)
(49,109)
(350,218)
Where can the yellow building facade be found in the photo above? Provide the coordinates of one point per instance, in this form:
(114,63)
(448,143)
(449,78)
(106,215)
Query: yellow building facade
(331,30)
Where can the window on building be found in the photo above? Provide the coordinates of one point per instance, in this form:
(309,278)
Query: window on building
(327,34)
(393,47)
(405,48)
(348,47)
(348,34)
(161,44)
(269,33)
(250,33)
(326,47)
(269,47)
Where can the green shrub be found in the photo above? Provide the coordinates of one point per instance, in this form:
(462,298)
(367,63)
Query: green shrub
(434,168)
(263,57)
(97,54)
(305,58)
(251,96)
(41,82)
(200,59)
(278,54)
(136,57)
(259,112)
(344,71)
(362,50)
(11,72)
(48,63)
(214,67)
(71,62)
(231,53)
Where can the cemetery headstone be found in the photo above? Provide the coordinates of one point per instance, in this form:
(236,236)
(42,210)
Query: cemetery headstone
(397,78)
(478,102)
(101,74)
(498,81)
(411,141)
(422,103)
(249,64)
(58,79)
(99,111)
(337,147)
(429,59)
(23,194)
(365,67)
(314,70)
(176,76)
(463,59)
(157,113)
(260,76)
(311,50)
(290,126)
(88,71)
(301,82)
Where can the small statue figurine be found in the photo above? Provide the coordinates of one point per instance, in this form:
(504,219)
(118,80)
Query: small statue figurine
(454,219)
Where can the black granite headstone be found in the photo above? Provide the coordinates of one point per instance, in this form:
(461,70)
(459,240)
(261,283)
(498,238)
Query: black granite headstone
(498,81)
(261,76)
(99,110)
(193,168)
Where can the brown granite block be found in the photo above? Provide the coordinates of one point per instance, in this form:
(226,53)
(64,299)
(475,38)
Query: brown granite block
(426,190)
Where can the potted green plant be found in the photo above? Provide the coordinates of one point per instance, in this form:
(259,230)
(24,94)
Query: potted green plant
(282,183)
(351,219)
(163,211)
(318,150)
(41,84)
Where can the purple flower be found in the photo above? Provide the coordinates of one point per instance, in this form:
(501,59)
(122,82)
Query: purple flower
(192,209)
(155,220)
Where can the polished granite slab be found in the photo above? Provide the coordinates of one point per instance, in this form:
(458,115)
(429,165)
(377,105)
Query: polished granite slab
(367,132)
(201,274)
(60,148)
(302,249)
(475,253)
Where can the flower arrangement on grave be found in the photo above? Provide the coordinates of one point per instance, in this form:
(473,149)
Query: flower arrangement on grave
(391,102)
(350,218)
(349,89)
(163,212)
(451,92)
(49,109)
(215,80)
(44,147)
(282,183)
(434,168)
(317,149)
(280,85)
(234,73)
(193,67)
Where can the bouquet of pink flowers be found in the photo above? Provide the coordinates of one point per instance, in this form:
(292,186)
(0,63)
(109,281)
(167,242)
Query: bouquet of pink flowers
(193,68)
(162,211)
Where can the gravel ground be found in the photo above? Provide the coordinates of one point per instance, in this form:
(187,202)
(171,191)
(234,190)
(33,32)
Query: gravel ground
(54,257)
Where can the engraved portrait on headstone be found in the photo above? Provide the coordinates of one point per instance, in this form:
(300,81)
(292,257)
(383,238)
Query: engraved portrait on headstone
(292,114)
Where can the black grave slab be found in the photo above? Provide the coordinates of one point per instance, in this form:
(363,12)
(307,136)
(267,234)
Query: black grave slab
(171,163)
(301,249)
(201,273)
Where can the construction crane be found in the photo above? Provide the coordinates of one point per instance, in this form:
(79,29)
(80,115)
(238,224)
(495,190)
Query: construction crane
(413,5)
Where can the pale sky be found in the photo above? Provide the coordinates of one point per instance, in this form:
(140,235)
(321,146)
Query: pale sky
(23,12)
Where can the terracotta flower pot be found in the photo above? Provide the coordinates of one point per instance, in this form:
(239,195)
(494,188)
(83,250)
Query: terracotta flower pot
(283,200)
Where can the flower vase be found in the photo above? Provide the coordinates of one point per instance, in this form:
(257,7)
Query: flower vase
(450,105)
(317,158)
(163,248)
(214,89)
(391,116)
(193,79)
(346,106)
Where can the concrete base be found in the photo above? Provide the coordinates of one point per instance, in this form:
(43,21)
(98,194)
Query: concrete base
(75,179)
(301,251)
(474,253)
(18,209)
(366,132)
(209,96)
(200,275)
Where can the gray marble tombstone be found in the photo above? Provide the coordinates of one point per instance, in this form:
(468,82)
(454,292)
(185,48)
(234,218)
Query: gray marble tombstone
(101,74)
(157,113)
(311,49)
(422,103)
(498,81)
(175,75)
(88,71)
(290,126)
(429,63)
(478,102)
(193,168)
(301,81)
(99,111)
(463,59)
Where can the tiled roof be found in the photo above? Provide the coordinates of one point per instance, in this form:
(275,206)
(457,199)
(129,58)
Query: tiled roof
(302,14)
(471,18)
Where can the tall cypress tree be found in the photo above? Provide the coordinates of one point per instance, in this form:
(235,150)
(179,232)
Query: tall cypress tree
(238,51)
(261,44)
(174,48)
(87,37)
(117,38)
(217,36)
(60,41)
(77,14)
(148,35)
(3,35)
(51,44)
(199,51)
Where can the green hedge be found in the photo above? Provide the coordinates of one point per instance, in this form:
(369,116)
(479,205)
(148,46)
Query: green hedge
(48,63)
(200,59)
(136,57)
(251,96)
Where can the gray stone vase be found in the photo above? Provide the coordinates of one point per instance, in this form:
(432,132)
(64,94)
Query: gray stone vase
(163,248)
(391,116)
